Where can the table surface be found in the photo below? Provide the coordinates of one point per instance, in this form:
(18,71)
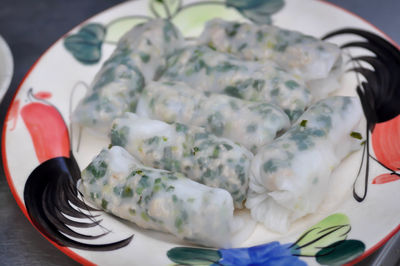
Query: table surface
(30,27)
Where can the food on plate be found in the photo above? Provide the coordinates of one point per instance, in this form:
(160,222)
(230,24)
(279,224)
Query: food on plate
(114,91)
(148,44)
(317,62)
(208,70)
(158,199)
(199,155)
(236,88)
(251,124)
(289,177)
(139,56)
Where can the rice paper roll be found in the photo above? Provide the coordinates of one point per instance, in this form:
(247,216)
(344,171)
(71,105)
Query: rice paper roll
(158,199)
(114,91)
(199,155)
(148,44)
(316,61)
(290,176)
(208,70)
(251,124)
(139,56)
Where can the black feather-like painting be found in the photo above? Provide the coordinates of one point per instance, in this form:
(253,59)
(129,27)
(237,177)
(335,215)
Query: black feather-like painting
(50,192)
(380,93)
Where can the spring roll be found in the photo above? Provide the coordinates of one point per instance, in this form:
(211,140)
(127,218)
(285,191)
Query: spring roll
(114,91)
(148,45)
(207,70)
(290,176)
(158,199)
(316,61)
(201,156)
(251,124)
(139,56)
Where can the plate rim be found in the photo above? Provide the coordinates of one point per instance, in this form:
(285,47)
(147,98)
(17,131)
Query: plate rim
(67,250)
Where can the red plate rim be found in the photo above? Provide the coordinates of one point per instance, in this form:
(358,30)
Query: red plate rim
(73,254)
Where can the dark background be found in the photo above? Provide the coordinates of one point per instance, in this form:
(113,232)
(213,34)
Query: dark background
(30,27)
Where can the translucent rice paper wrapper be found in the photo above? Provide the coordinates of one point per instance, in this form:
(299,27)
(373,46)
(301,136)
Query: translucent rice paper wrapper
(139,57)
(317,62)
(162,200)
(290,176)
(148,44)
(208,70)
(114,91)
(199,155)
(251,124)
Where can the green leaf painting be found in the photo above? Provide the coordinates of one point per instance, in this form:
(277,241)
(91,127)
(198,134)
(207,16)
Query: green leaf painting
(165,8)
(328,231)
(193,256)
(117,28)
(85,45)
(340,253)
(258,11)
(191,18)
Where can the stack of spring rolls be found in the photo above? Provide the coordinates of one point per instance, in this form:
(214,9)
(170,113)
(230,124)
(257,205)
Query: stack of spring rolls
(242,118)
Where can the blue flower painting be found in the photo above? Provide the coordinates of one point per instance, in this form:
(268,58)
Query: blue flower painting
(269,254)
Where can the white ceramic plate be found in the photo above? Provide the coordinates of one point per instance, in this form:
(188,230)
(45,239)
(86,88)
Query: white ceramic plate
(369,223)
(6,67)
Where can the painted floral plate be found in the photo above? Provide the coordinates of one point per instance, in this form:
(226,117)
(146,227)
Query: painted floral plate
(346,228)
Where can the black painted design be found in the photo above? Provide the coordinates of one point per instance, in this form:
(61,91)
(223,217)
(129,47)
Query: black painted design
(50,192)
(380,93)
